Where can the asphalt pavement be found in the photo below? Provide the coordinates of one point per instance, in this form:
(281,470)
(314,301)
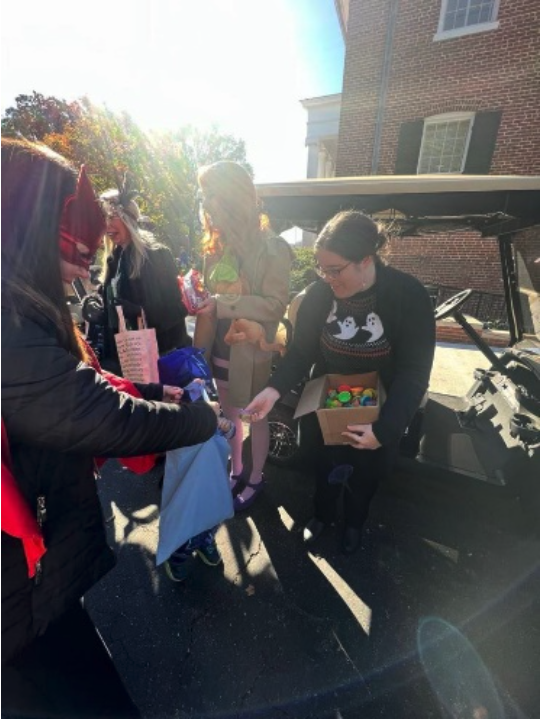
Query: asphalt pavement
(415,625)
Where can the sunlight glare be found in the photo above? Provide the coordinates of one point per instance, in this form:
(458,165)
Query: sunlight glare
(174,63)
(285,518)
(360,610)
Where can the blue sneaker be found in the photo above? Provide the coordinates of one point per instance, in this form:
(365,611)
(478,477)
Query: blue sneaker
(180,564)
(177,572)
(209,554)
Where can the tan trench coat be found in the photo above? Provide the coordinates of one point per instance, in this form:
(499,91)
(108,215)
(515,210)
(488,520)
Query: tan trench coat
(268,271)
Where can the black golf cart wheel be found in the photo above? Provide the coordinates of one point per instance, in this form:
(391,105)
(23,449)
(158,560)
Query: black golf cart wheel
(284,448)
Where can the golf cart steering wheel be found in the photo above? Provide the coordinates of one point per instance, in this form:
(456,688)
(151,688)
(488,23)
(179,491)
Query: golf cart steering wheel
(452,304)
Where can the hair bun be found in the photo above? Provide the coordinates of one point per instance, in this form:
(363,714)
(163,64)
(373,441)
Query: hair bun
(380,239)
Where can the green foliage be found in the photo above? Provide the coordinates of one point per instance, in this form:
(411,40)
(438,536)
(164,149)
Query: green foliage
(303,268)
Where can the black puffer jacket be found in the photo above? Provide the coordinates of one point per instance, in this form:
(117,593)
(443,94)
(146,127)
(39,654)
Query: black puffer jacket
(60,414)
(156,291)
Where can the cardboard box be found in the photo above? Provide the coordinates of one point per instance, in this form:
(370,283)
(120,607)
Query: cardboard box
(334,421)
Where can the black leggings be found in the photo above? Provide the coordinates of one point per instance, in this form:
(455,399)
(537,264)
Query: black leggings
(369,468)
(66,673)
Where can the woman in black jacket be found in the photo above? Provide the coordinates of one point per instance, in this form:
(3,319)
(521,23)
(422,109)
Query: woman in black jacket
(365,316)
(60,415)
(139,275)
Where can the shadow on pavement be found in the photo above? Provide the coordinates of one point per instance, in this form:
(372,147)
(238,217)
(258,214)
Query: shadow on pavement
(280,632)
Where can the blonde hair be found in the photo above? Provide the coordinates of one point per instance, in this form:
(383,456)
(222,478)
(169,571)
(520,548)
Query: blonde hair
(141,240)
(237,221)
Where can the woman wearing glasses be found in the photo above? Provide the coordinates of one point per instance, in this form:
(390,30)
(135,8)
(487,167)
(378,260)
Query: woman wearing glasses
(362,316)
(139,275)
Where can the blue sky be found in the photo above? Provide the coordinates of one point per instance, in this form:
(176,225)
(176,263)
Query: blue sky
(243,64)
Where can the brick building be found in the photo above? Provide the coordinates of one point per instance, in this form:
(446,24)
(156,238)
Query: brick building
(449,86)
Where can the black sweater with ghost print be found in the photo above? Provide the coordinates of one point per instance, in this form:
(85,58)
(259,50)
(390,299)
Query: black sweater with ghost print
(389,328)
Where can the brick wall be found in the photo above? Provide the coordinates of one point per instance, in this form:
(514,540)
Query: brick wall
(494,70)
(459,260)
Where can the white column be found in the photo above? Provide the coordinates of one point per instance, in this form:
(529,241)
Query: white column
(313,160)
(321,167)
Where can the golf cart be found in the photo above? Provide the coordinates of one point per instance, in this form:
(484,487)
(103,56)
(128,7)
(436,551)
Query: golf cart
(484,446)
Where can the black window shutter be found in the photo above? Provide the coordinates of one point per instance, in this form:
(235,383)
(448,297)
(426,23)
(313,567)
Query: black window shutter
(410,139)
(482,142)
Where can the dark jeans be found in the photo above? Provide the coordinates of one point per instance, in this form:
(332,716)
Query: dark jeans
(369,468)
(66,673)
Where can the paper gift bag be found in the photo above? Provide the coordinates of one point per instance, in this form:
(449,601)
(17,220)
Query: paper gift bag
(137,351)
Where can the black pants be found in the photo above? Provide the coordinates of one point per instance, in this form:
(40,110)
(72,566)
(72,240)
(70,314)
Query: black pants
(66,673)
(369,468)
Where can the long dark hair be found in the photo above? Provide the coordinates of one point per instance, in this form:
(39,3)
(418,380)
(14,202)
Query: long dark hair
(35,185)
(352,235)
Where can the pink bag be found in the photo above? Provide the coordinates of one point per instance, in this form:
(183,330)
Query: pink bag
(137,350)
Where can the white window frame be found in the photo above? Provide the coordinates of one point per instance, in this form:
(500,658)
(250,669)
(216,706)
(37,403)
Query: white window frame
(447,118)
(441,34)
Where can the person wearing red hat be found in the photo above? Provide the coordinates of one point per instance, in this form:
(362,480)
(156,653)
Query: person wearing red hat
(59,414)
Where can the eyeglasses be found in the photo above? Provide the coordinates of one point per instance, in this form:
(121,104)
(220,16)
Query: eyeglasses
(331,272)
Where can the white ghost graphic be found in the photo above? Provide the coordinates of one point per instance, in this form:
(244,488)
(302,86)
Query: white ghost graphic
(373,326)
(348,329)
(332,315)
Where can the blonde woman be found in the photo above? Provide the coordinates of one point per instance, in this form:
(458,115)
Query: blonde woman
(139,275)
(247,271)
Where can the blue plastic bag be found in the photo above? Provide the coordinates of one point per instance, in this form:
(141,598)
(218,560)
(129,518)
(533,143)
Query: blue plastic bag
(181,366)
(196,495)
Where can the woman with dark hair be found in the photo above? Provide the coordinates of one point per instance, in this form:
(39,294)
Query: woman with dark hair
(362,316)
(58,415)
(139,275)
(247,270)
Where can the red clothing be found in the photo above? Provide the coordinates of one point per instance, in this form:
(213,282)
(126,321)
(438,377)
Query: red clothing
(137,464)
(17,518)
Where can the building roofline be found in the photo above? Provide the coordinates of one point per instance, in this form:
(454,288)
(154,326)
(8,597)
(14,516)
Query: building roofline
(320,100)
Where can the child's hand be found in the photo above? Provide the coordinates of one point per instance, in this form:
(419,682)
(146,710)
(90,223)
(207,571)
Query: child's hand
(207,306)
(172,394)
(224,425)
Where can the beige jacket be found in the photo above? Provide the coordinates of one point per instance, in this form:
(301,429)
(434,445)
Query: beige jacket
(268,271)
